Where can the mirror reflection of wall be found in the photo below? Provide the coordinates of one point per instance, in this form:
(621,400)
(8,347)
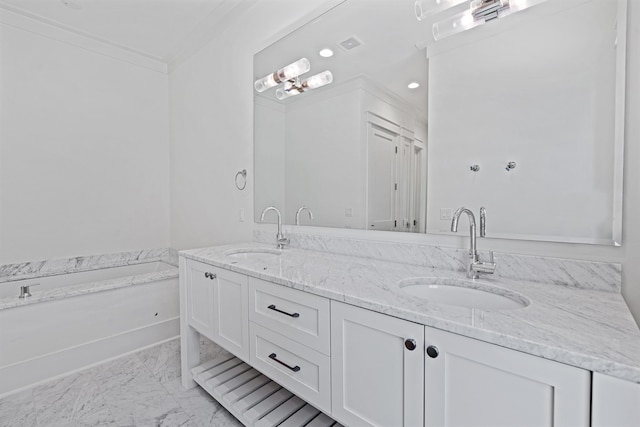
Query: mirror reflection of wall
(545,102)
(539,90)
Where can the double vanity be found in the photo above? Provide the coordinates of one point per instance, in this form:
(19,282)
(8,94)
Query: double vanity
(322,337)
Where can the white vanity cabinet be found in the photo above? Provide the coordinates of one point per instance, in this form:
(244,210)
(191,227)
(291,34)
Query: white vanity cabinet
(364,368)
(472,383)
(615,402)
(218,306)
(376,368)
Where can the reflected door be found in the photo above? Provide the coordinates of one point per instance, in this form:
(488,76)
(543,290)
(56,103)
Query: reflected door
(381,182)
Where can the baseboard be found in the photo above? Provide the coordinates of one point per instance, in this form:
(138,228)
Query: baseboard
(27,373)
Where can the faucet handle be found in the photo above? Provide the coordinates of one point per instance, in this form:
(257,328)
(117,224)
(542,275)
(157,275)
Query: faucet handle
(282,242)
(483,266)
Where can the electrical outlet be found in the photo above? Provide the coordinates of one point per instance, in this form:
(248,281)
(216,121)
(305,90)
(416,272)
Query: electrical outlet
(446,214)
(348,212)
(241,215)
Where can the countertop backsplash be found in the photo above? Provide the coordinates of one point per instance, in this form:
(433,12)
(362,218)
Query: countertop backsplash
(603,276)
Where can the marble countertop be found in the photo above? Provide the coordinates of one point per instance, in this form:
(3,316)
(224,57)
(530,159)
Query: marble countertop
(590,329)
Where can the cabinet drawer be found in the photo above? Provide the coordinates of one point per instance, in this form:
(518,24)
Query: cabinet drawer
(298,315)
(300,369)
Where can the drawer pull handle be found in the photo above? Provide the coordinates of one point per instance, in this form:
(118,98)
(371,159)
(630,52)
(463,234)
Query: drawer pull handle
(293,368)
(273,307)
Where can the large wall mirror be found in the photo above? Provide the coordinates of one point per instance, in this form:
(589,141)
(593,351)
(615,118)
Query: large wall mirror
(523,115)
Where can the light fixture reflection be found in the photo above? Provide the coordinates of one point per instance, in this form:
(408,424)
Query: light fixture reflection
(413,85)
(295,87)
(291,71)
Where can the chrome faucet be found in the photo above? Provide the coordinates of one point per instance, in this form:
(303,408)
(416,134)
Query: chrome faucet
(302,208)
(475,266)
(280,239)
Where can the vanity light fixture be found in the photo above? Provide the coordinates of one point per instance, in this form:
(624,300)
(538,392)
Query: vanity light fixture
(290,77)
(425,8)
(480,12)
(284,74)
(296,86)
(326,53)
(413,85)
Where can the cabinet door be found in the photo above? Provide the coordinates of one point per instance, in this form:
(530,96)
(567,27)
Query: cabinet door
(200,297)
(615,402)
(376,379)
(473,383)
(231,312)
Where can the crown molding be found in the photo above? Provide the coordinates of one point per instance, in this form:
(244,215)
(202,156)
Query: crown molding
(216,22)
(54,30)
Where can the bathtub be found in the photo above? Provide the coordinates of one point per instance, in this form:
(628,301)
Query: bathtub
(82,318)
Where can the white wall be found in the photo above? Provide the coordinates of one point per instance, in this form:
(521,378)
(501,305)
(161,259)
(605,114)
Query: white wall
(84,151)
(211,98)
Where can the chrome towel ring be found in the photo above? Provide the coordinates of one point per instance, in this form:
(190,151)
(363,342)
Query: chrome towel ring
(243,182)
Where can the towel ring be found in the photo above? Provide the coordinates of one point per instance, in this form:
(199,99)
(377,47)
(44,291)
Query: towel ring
(243,185)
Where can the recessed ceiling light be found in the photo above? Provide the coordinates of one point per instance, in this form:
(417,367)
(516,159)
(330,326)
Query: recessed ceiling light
(326,53)
(413,85)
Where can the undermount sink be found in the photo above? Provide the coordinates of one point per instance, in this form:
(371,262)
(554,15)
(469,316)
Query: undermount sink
(463,293)
(250,253)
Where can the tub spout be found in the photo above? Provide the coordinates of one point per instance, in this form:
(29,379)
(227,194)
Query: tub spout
(25,291)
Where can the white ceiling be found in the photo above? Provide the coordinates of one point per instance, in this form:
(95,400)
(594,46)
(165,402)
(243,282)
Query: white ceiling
(153,28)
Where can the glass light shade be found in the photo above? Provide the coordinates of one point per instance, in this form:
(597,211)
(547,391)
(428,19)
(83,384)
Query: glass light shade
(288,72)
(518,5)
(293,70)
(281,93)
(265,83)
(425,8)
(318,80)
(465,20)
(455,24)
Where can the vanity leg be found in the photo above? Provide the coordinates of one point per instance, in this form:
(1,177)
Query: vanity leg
(189,338)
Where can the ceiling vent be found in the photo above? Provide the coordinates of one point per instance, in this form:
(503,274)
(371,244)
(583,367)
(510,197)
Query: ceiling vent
(350,43)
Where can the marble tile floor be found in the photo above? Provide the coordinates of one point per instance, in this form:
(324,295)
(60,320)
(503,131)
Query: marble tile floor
(141,389)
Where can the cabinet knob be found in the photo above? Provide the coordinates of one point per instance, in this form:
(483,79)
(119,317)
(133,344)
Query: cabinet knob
(210,275)
(206,274)
(432,351)
(410,344)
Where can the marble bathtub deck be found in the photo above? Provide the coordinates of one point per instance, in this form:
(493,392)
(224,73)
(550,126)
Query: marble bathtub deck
(141,389)
(56,267)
